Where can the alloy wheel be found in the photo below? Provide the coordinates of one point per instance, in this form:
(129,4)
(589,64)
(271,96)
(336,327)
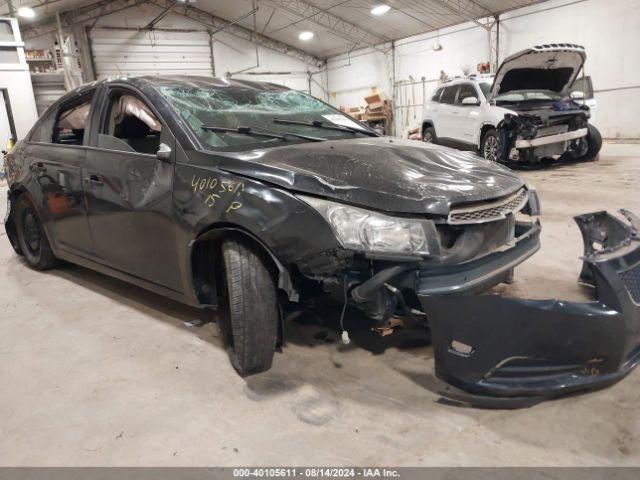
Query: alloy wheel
(490,149)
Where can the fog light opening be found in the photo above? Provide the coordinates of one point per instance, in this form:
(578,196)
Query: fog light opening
(461,348)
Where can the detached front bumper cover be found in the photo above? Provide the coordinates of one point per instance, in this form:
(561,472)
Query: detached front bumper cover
(508,352)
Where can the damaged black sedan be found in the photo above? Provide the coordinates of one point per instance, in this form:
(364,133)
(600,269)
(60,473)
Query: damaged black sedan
(224,192)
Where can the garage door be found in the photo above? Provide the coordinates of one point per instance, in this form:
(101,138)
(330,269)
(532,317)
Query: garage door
(133,52)
(47,88)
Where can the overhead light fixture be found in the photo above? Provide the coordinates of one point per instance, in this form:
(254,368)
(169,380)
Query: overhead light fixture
(26,12)
(380,9)
(307,35)
(436,47)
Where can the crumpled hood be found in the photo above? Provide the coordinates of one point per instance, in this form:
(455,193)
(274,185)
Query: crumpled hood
(543,67)
(402,176)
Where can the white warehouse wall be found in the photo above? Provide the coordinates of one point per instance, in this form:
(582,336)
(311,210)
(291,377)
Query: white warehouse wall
(608,29)
(16,80)
(351,77)
(23,104)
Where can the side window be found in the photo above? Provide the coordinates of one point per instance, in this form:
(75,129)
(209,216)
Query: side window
(71,121)
(584,85)
(436,95)
(43,131)
(449,94)
(466,91)
(129,125)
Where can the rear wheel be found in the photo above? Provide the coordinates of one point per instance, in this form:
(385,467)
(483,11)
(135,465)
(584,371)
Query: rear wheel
(32,239)
(429,135)
(490,145)
(252,332)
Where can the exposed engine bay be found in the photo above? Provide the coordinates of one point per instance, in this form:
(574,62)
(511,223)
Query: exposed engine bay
(540,132)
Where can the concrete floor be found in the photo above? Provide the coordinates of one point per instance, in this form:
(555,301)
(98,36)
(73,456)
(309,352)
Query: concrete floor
(96,372)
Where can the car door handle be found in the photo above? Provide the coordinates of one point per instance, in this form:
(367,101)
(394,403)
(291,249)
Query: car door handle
(94,181)
(38,167)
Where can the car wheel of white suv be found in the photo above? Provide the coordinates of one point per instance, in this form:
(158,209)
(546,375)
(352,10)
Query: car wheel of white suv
(490,145)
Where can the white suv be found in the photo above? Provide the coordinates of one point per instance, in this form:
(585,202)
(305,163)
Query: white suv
(524,112)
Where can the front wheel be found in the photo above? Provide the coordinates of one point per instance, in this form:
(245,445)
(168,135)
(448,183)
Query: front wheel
(489,147)
(594,142)
(252,332)
(32,239)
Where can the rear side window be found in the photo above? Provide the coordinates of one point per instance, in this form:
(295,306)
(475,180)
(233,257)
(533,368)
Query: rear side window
(71,121)
(466,91)
(436,95)
(449,94)
(44,129)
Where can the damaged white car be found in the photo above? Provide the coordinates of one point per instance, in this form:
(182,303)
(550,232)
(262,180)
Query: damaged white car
(526,112)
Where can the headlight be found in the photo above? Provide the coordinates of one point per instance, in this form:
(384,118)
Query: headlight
(364,230)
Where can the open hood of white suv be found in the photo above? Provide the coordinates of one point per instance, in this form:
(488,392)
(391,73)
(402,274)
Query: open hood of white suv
(543,67)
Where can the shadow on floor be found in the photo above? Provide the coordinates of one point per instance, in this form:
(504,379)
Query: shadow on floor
(317,328)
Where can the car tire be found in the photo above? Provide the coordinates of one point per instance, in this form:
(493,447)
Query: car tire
(32,239)
(594,142)
(252,331)
(429,135)
(489,148)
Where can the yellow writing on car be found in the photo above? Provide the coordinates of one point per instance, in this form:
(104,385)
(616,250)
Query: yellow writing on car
(213,189)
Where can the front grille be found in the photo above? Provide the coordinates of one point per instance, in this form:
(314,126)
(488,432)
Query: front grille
(489,212)
(631,280)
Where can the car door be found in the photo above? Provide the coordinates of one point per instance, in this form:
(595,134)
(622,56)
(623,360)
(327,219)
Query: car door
(130,189)
(56,152)
(445,127)
(431,107)
(466,116)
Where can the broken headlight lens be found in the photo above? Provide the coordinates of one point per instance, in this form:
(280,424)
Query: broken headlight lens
(365,230)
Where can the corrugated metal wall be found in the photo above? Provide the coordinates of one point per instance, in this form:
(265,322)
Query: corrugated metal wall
(132,52)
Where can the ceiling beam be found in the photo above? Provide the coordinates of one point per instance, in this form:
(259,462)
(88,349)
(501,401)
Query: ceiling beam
(216,23)
(456,8)
(334,24)
(96,11)
(78,16)
(11,6)
(160,16)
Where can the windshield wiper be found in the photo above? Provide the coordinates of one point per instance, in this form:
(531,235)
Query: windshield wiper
(321,124)
(269,134)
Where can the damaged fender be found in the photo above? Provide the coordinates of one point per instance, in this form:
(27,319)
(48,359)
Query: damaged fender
(496,349)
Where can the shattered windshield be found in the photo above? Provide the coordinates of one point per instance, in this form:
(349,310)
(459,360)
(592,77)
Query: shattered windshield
(233,107)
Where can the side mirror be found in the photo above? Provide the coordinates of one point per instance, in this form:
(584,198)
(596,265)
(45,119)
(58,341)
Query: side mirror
(577,95)
(164,153)
(470,101)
